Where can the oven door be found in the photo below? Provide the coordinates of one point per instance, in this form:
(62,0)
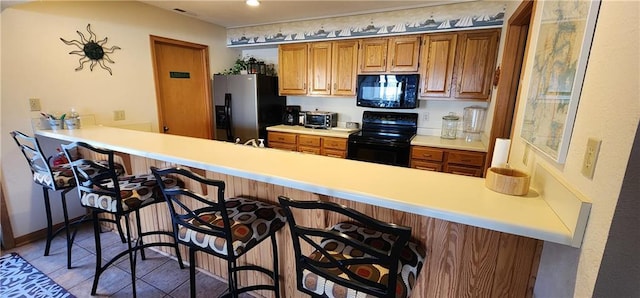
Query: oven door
(396,154)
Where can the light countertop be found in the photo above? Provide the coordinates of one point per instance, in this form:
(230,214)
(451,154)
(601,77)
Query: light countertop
(336,132)
(444,196)
(459,144)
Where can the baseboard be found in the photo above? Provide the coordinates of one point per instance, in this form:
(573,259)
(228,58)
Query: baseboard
(39,234)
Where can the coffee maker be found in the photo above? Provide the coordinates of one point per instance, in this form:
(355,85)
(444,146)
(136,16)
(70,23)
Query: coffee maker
(291,115)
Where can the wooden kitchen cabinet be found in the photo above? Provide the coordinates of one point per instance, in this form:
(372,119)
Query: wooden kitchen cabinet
(436,74)
(313,144)
(319,68)
(282,140)
(458,66)
(427,158)
(344,68)
(475,63)
(393,54)
(404,54)
(292,69)
(333,68)
(334,147)
(465,163)
(373,55)
(461,162)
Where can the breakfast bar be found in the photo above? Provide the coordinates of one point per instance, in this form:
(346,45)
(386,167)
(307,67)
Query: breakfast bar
(479,242)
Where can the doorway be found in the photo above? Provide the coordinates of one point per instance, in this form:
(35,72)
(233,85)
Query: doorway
(512,64)
(183,88)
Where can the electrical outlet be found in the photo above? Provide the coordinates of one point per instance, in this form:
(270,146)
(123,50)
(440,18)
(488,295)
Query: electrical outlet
(425,116)
(590,157)
(34,104)
(118,115)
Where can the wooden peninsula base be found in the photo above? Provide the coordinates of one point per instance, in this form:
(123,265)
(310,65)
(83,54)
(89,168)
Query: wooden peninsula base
(462,260)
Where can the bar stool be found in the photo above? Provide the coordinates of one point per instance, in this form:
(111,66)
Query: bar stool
(357,257)
(54,178)
(103,192)
(225,228)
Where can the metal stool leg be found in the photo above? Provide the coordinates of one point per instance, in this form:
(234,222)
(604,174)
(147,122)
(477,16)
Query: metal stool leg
(96,233)
(67,227)
(276,275)
(192,272)
(47,209)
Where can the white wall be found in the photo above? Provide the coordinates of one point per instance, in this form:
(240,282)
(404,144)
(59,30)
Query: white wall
(35,63)
(609,110)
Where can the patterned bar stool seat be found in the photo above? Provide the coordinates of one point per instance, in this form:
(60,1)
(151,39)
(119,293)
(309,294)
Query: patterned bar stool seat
(52,178)
(225,228)
(359,257)
(104,192)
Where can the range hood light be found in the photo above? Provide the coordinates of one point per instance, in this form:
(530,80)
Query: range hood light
(253,2)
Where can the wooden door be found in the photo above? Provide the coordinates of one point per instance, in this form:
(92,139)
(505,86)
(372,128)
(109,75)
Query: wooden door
(404,53)
(475,62)
(344,68)
(292,69)
(437,60)
(183,88)
(319,68)
(373,55)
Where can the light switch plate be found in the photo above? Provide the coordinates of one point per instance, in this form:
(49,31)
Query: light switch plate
(34,104)
(590,157)
(118,115)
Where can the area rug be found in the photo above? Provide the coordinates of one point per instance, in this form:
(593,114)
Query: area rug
(18,278)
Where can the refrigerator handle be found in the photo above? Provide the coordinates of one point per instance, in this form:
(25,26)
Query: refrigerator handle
(227,110)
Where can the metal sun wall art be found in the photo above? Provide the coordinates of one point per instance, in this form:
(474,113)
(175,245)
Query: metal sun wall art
(92,50)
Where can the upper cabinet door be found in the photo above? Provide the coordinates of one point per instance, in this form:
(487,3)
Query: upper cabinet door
(438,54)
(404,53)
(373,55)
(345,68)
(475,63)
(292,69)
(319,68)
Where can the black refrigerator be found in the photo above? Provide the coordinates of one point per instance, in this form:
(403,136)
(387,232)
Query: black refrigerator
(245,105)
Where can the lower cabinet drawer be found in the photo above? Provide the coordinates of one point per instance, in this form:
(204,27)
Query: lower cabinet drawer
(425,153)
(466,158)
(461,170)
(281,137)
(425,165)
(334,143)
(311,150)
(334,153)
(307,140)
(283,146)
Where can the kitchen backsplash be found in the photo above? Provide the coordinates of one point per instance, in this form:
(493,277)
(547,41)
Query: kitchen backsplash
(430,111)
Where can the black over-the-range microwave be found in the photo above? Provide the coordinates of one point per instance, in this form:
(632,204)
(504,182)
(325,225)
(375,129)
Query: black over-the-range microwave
(388,91)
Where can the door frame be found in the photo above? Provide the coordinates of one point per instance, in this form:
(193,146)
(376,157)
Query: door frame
(204,52)
(515,50)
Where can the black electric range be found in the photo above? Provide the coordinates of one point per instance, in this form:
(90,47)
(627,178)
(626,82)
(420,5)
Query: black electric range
(385,138)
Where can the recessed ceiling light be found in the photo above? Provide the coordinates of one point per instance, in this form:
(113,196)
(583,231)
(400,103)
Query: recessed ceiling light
(253,2)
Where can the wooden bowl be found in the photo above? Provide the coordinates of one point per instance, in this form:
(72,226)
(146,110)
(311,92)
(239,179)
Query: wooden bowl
(507,181)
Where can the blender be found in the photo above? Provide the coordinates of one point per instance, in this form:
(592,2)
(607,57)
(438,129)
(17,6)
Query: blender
(473,122)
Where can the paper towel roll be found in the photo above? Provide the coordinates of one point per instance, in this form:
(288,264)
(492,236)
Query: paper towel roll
(500,153)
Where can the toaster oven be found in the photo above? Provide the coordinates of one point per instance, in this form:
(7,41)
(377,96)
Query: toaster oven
(318,119)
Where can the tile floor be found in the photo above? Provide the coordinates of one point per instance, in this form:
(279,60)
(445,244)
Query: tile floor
(157,276)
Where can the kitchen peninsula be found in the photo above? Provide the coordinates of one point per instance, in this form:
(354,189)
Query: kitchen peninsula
(479,242)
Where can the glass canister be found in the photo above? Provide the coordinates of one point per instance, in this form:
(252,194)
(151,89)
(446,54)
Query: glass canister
(449,126)
(473,122)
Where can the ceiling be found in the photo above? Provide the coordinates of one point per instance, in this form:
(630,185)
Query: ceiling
(235,13)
